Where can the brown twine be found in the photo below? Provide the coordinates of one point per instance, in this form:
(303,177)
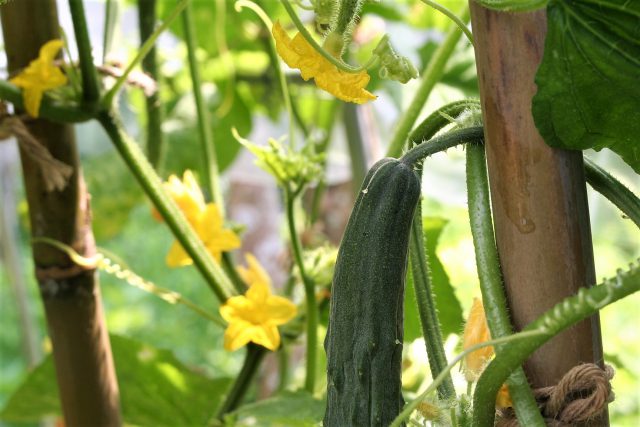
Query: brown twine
(579,397)
(135,78)
(55,173)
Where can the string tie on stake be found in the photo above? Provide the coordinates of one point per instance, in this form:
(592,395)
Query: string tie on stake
(579,398)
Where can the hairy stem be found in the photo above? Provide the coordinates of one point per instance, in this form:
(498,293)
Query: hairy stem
(430,76)
(211,180)
(442,143)
(427,307)
(151,184)
(563,315)
(109,97)
(254,356)
(48,109)
(310,296)
(155,137)
(90,88)
(607,185)
(493,296)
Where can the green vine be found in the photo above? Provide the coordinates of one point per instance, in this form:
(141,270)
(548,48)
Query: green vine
(493,296)
(607,185)
(568,312)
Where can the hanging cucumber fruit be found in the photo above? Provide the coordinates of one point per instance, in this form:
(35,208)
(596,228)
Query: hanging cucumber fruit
(364,340)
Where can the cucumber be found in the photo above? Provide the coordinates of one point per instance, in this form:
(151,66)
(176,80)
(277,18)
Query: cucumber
(364,339)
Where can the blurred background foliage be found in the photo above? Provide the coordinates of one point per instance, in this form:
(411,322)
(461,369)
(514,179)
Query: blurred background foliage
(240,90)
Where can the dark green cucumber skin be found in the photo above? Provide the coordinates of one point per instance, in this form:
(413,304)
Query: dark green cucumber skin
(364,340)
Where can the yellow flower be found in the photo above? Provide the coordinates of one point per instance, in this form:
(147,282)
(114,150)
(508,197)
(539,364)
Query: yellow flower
(503,399)
(205,219)
(254,273)
(186,194)
(41,75)
(208,226)
(476,331)
(298,53)
(255,316)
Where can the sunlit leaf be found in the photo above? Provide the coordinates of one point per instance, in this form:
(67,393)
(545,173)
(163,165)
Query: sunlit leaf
(156,389)
(288,409)
(447,304)
(588,92)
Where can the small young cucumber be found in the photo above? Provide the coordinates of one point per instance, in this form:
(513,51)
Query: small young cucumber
(364,340)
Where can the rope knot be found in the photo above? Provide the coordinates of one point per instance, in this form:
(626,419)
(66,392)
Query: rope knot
(579,397)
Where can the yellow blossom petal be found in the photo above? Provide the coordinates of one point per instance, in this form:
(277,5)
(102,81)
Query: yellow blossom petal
(186,193)
(476,331)
(503,398)
(32,99)
(267,336)
(41,75)
(238,335)
(50,49)
(177,257)
(255,316)
(298,53)
(254,272)
(280,310)
(258,293)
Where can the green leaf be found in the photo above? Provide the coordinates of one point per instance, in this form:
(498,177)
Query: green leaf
(288,409)
(184,150)
(447,304)
(412,328)
(156,389)
(588,92)
(449,309)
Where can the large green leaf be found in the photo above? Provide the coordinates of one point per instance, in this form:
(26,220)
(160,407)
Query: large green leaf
(589,79)
(184,150)
(449,309)
(156,389)
(288,409)
(447,304)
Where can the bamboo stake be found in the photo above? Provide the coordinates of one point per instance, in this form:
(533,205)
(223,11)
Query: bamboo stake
(71,295)
(538,193)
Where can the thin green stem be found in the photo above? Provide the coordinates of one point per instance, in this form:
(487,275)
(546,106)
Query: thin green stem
(90,88)
(110,12)
(273,55)
(347,16)
(48,109)
(152,185)
(212,178)
(419,264)
(225,56)
(427,307)
(108,98)
(490,275)
(607,185)
(355,143)
(309,38)
(439,119)
(411,406)
(443,142)
(155,136)
(568,312)
(310,296)
(230,268)
(283,367)
(75,80)
(430,76)
(254,356)
(449,14)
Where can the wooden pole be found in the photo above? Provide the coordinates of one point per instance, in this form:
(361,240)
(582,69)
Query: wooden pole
(71,295)
(538,193)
